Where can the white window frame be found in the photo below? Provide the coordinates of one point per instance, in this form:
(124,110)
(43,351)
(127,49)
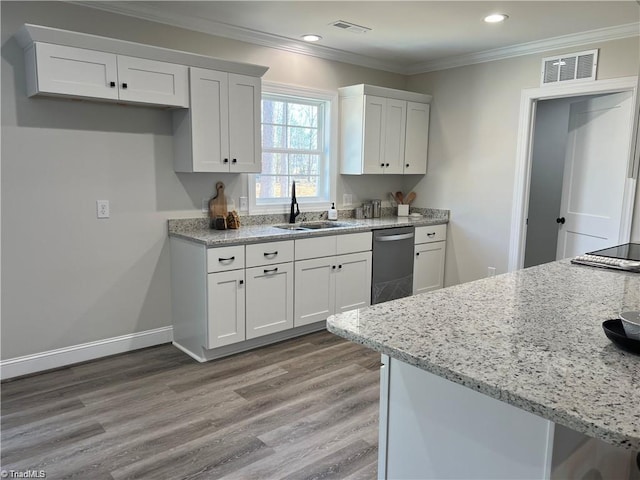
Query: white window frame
(330,148)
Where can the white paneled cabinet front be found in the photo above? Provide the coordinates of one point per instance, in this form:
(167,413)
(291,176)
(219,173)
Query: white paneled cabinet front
(428,265)
(331,284)
(78,72)
(221,130)
(269,299)
(383,131)
(226,308)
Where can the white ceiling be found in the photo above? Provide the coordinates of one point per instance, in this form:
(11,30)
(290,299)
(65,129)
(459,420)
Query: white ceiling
(405,36)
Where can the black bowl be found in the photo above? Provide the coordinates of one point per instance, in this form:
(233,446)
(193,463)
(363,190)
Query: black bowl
(614,331)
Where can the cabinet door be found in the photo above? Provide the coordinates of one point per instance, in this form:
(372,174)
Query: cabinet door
(269,299)
(374,136)
(314,290)
(352,281)
(225,305)
(73,71)
(395,127)
(150,81)
(417,138)
(428,267)
(209,120)
(245,137)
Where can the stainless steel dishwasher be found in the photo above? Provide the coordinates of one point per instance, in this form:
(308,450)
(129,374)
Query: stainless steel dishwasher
(392,264)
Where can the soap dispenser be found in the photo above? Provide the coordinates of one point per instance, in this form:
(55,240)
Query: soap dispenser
(332,214)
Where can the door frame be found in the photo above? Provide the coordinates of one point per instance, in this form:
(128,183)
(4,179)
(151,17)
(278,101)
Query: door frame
(528,103)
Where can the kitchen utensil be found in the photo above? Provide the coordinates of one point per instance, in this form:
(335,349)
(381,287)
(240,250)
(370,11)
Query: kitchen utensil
(218,206)
(393,201)
(399,198)
(410,198)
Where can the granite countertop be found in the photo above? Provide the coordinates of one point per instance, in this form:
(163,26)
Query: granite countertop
(531,338)
(197,230)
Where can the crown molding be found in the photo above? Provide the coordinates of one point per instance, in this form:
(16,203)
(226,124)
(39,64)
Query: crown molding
(529,48)
(134,9)
(210,27)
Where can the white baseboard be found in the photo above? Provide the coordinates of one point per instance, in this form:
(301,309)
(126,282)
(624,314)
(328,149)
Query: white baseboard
(38,362)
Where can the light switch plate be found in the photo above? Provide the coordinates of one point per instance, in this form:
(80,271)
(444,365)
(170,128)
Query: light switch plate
(347,199)
(244,206)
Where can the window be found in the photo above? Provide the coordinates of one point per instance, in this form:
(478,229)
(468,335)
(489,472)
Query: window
(295,147)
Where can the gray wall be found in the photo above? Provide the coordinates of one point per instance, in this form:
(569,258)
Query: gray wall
(547,171)
(68,278)
(472,150)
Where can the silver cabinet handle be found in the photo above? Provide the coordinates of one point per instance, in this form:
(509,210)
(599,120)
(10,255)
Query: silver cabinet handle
(392,238)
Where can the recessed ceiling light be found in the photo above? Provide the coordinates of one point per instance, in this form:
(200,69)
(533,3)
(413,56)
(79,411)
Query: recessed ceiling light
(496,18)
(311,37)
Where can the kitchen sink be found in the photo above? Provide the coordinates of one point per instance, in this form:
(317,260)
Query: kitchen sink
(311,225)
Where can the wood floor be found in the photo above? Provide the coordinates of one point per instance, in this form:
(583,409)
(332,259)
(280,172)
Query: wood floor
(306,408)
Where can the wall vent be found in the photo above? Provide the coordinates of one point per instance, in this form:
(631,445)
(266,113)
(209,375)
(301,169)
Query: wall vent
(572,67)
(350,27)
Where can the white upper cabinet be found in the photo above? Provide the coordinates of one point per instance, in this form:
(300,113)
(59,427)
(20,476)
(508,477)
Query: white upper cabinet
(78,72)
(221,130)
(383,131)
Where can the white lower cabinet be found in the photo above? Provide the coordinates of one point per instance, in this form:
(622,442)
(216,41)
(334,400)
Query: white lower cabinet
(269,299)
(428,264)
(226,308)
(332,284)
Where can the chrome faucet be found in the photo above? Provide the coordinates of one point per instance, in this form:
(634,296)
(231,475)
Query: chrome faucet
(293,215)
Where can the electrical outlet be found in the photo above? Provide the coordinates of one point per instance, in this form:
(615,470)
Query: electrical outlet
(244,206)
(102,208)
(347,199)
(491,271)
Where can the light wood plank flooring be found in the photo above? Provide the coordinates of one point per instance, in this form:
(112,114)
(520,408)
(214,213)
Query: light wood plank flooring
(306,408)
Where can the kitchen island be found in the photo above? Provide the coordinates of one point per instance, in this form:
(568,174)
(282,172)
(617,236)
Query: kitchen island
(489,379)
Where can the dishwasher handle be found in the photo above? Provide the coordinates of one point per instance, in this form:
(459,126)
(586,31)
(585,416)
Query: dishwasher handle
(393,238)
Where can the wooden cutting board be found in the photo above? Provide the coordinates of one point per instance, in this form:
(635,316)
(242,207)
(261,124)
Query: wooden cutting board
(218,204)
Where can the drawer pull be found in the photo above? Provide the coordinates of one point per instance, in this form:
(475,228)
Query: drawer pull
(226,259)
(432,234)
(270,271)
(241,282)
(270,254)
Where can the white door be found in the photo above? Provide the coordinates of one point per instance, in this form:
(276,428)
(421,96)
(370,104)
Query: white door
(352,281)
(417,138)
(314,288)
(269,298)
(428,267)
(374,127)
(209,120)
(245,137)
(225,322)
(595,174)
(395,130)
(154,82)
(76,71)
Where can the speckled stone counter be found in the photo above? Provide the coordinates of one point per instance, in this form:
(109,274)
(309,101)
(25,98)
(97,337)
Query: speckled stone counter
(197,229)
(532,338)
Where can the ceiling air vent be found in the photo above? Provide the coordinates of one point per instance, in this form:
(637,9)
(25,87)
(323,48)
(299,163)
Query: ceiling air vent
(573,67)
(351,27)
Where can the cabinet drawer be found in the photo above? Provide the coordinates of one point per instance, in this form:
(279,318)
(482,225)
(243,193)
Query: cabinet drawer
(269,253)
(221,259)
(315,247)
(431,233)
(354,242)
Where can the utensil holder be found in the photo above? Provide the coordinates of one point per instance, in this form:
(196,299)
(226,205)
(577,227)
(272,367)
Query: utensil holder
(403,210)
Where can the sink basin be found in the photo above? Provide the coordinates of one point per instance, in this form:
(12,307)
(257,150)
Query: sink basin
(310,225)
